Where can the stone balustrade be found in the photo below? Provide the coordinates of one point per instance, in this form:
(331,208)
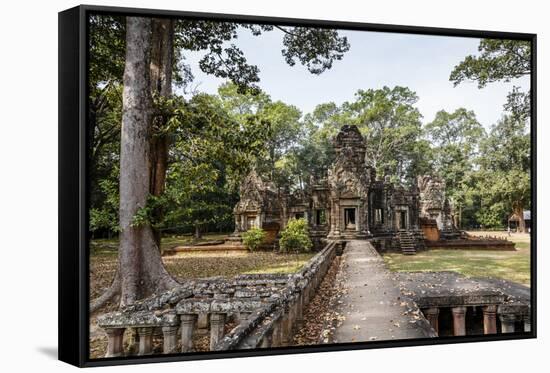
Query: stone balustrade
(265,308)
(469,305)
(144,322)
(509,316)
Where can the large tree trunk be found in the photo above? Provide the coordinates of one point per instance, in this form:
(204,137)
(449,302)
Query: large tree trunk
(162,53)
(140,268)
(518,211)
(140,265)
(198,232)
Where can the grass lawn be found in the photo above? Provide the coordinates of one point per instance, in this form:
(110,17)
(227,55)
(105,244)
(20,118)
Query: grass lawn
(509,265)
(103,261)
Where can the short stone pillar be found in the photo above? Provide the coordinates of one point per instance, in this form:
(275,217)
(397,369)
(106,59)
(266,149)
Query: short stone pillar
(217,324)
(320,277)
(286,332)
(267,340)
(527,324)
(432,314)
(145,340)
(299,309)
(306,293)
(507,323)
(114,341)
(187,321)
(277,331)
(132,341)
(490,319)
(459,320)
(312,290)
(203,321)
(170,335)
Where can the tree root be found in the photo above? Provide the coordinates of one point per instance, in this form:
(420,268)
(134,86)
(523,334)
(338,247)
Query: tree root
(113,291)
(167,283)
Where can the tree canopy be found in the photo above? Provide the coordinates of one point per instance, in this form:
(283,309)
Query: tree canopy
(499,60)
(503,179)
(389,122)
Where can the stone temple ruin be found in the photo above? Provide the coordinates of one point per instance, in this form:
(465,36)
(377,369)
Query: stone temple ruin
(261,311)
(350,203)
(348,207)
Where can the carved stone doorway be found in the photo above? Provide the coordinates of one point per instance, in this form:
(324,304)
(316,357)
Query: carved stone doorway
(349,218)
(402,220)
(250,222)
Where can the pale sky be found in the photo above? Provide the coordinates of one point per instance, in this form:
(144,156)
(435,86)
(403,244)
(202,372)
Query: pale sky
(421,63)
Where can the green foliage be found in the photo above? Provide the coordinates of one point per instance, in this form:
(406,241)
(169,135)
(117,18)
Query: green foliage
(316,49)
(388,120)
(106,66)
(390,124)
(211,145)
(107,48)
(503,179)
(491,217)
(518,105)
(295,237)
(500,181)
(215,139)
(145,214)
(314,153)
(253,238)
(499,60)
(274,155)
(104,217)
(211,152)
(455,138)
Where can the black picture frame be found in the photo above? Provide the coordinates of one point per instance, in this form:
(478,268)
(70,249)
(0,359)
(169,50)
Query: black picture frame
(73,184)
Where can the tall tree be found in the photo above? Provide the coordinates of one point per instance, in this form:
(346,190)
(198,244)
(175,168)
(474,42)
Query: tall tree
(283,121)
(140,271)
(211,152)
(455,139)
(106,67)
(391,126)
(148,48)
(162,61)
(503,60)
(388,120)
(314,152)
(505,168)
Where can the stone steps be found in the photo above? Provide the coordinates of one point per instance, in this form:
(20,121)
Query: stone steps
(407,243)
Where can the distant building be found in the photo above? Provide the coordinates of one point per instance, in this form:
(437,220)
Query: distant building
(513,221)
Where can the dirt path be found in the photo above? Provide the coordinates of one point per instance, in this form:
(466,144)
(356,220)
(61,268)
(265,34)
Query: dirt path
(372,306)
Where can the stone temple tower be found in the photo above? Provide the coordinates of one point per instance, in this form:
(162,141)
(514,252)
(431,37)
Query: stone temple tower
(348,180)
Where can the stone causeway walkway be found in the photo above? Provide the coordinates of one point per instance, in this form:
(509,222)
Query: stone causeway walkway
(372,307)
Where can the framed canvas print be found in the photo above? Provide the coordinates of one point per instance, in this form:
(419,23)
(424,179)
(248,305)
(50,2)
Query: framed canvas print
(236,185)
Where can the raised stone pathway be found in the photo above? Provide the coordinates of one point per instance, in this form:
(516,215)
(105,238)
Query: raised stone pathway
(372,305)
